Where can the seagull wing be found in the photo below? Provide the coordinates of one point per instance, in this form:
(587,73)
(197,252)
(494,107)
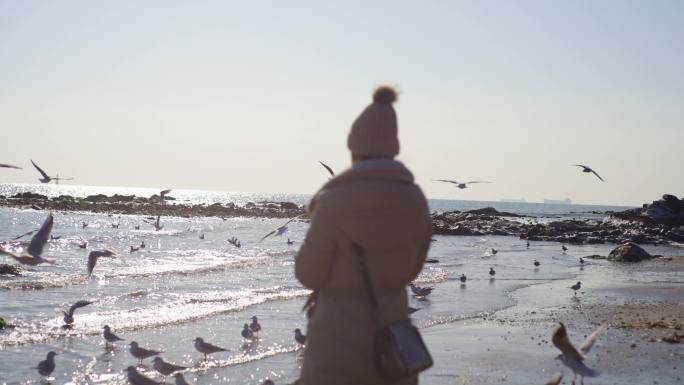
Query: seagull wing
(23,235)
(562,342)
(77,305)
(92,260)
(477,181)
(9,254)
(597,175)
(327,168)
(39,240)
(268,235)
(589,342)
(555,380)
(447,181)
(40,170)
(3,165)
(214,347)
(164,192)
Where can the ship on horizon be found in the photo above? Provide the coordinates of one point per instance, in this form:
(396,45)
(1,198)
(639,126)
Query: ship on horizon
(565,201)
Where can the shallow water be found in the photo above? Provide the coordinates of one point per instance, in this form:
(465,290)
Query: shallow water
(180,287)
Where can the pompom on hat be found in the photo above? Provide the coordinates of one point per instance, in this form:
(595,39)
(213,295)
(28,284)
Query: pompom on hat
(374,132)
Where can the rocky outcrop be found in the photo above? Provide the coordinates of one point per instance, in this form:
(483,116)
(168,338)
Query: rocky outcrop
(629,252)
(9,269)
(669,210)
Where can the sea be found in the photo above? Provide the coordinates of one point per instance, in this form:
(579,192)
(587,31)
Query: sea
(190,282)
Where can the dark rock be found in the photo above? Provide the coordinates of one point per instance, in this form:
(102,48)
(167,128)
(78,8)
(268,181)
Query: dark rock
(9,269)
(595,256)
(96,198)
(629,252)
(491,211)
(122,198)
(30,195)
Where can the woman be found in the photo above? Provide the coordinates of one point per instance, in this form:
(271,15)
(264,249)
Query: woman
(376,205)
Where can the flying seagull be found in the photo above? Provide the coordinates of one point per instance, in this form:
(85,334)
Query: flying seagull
(571,357)
(162,195)
(332,174)
(421,292)
(46,178)
(461,185)
(589,169)
(35,249)
(156,224)
(69,317)
(95,255)
(280,230)
(3,165)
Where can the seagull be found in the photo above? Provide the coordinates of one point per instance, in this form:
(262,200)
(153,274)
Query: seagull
(164,367)
(134,249)
(494,251)
(420,291)
(581,260)
(95,255)
(332,174)
(180,380)
(135,378)
(162,195)
(528,244)
(571,357)
(84,225)
(46,178)
(267,382)
(4,165)
(564,248)
(254,326)
(142,244)
(235,242)
(115,225)
(201,236)
(36,246)
(492,272)
(69,317)
(412,310)
(141,353)
(463,278)
(461,185)
(576,286)
(206,348)
(83,245)
(156,224)
(299,337)
(289,242)
(109,336)
(137,227)
(47,366)
(280,230)
(536,263)
(247,333)
(589,169)
(57,238)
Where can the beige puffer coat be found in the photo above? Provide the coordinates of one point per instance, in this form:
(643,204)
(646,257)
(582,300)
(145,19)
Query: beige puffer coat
(376,205)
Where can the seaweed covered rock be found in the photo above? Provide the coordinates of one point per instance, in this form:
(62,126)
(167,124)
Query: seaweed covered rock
(9,269)
(629,252)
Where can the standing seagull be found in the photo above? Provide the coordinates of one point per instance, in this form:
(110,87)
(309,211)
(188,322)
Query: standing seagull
(571,357)
(141,353)
(46,178)
(207,348)
(463,278)
(247,333)
(109,336)
(47,366)
(492,272)
(4,165)
(135,378)
(254,326)
(95,255)
(536,263)
(589,169)
(299,337)
(576,286)
(461,185)
(564,248)
(35,249)
(332,174)
(69,316)
(164,367)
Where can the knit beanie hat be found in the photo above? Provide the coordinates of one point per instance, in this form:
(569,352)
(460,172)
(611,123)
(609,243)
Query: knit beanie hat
(374,132)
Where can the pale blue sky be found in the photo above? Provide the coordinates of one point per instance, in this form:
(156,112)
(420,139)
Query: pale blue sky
(247,96)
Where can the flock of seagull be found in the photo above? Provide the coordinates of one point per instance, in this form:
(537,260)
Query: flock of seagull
(570,356)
